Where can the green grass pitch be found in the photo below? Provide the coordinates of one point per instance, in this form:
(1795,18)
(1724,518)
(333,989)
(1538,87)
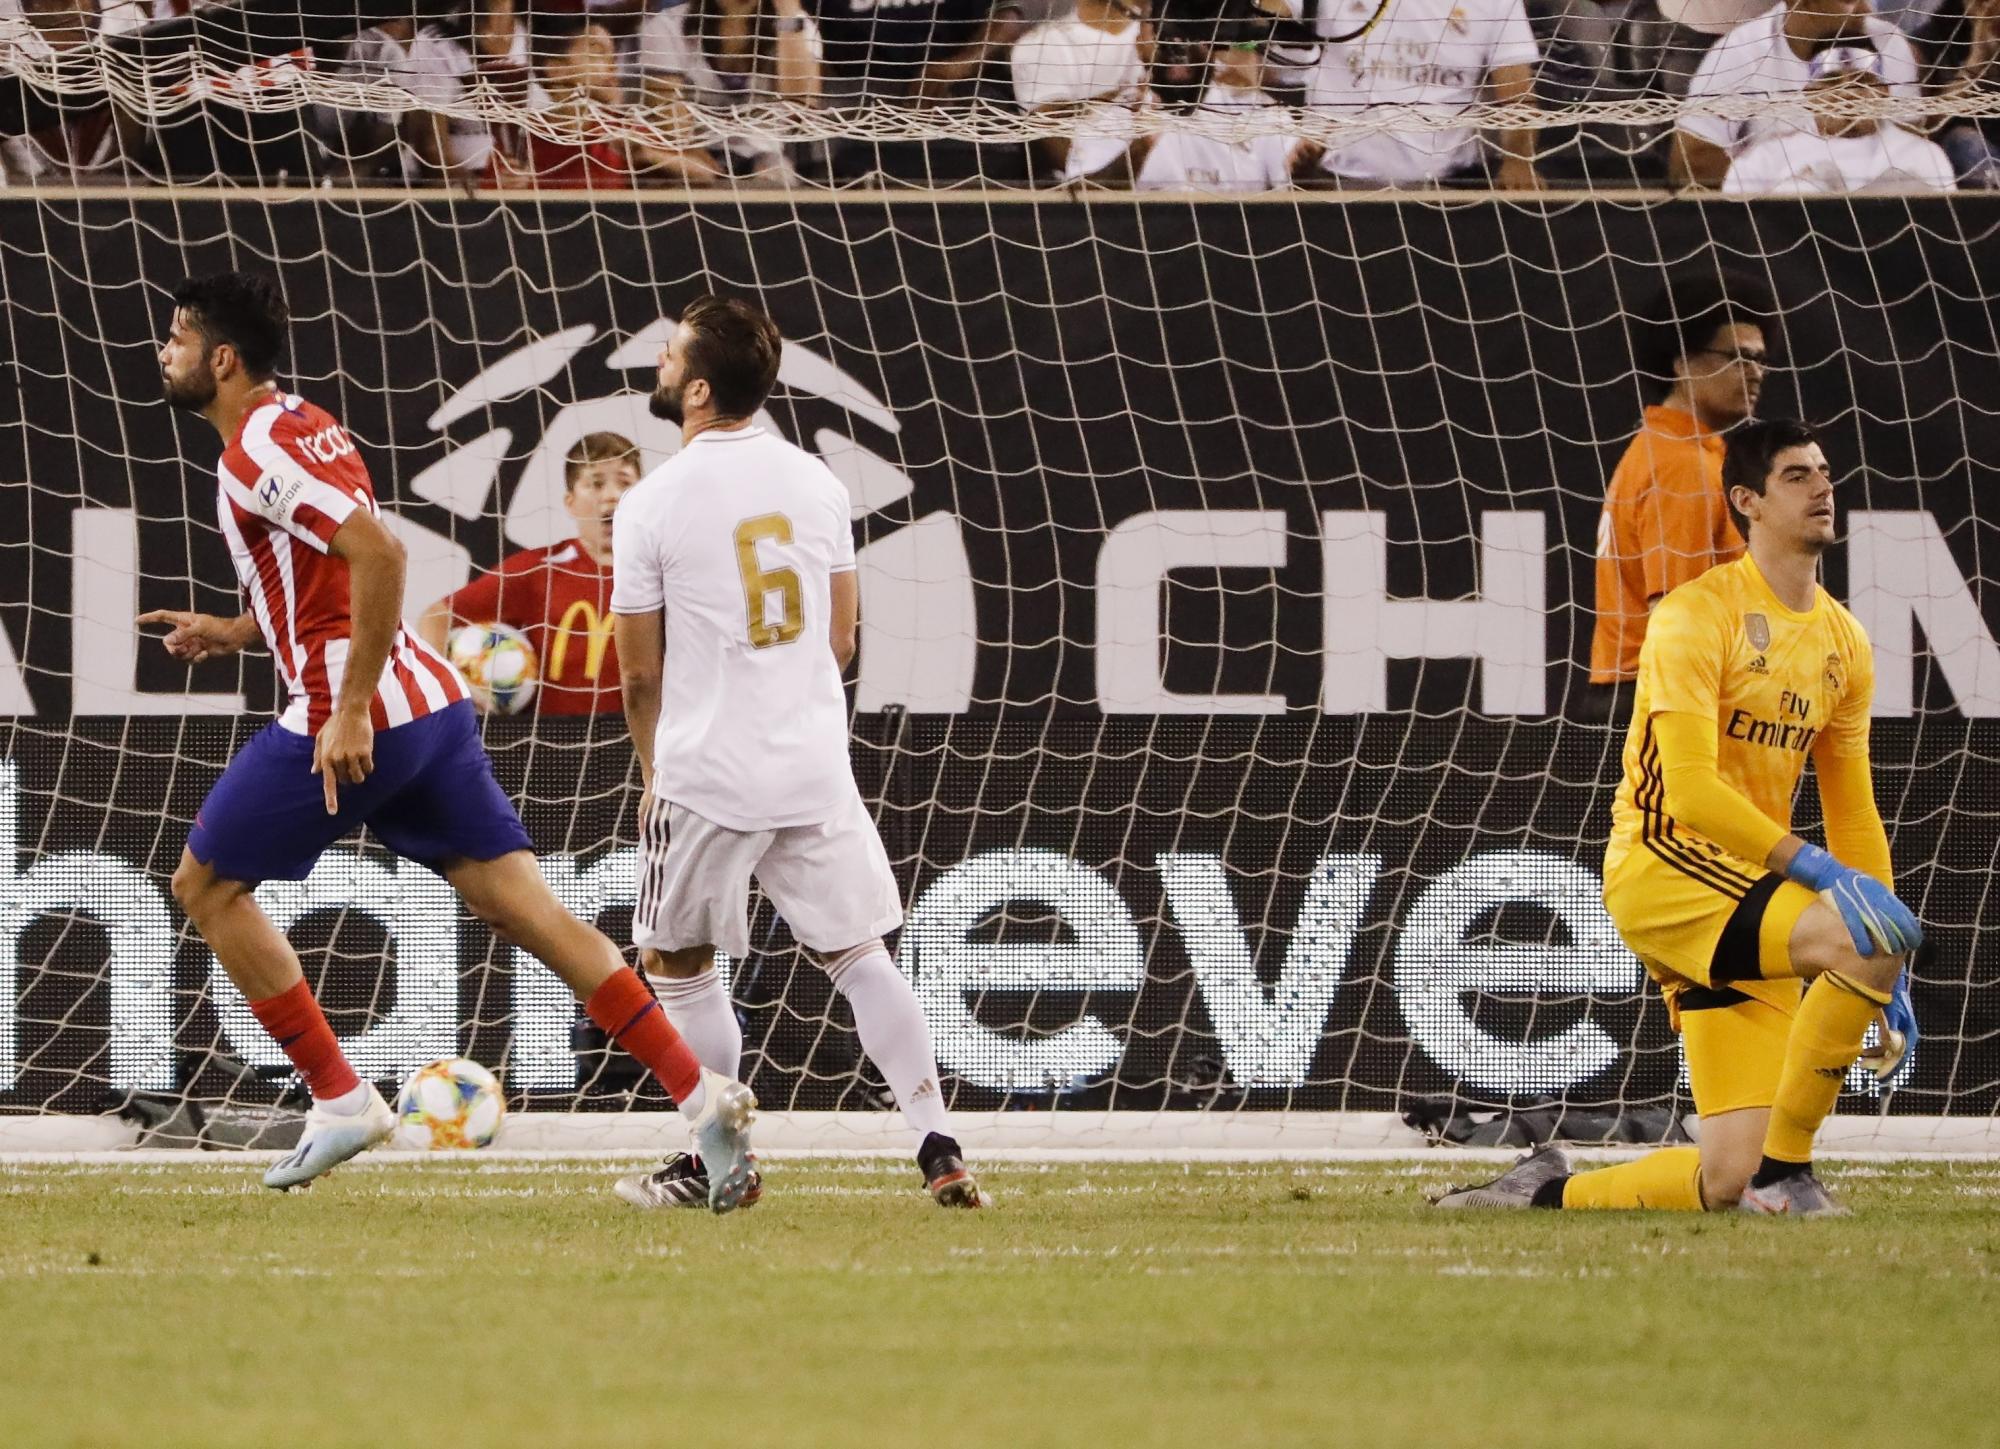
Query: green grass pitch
(510,1303)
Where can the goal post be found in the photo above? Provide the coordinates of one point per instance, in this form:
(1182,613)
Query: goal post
(1225,569)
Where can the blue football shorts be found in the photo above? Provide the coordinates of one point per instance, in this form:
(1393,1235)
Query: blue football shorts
(431,798)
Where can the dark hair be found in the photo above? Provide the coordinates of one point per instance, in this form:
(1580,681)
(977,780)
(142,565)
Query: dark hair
(734,348)
(597,448)
(245,310)
(1682,318)
(552,36)
(1750,451)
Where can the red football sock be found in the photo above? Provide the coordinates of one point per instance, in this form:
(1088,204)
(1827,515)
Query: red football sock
(627,1012)
(296,1023)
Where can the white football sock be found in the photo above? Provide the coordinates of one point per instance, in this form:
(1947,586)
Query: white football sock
(699,1008)
(350,1103)
(893,1033)
(692,1104)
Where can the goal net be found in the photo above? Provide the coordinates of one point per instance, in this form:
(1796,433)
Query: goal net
(1226,568)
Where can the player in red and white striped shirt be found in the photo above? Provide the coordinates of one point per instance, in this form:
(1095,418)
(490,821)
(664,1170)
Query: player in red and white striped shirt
(288,480)
(378,730)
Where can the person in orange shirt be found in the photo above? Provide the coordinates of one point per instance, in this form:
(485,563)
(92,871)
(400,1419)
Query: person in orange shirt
(1664,520)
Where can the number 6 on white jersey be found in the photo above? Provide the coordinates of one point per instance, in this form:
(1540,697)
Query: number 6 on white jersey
(759,583)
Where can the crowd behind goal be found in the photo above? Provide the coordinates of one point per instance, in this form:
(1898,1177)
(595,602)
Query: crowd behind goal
(1521,95)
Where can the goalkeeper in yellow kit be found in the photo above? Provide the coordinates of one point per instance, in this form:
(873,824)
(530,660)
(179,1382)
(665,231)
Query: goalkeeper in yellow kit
(1773,954)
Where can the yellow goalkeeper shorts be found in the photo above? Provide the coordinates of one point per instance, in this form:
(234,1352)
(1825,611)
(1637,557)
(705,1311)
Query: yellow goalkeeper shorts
(1735,1044)
(1730,926)
(1720,948)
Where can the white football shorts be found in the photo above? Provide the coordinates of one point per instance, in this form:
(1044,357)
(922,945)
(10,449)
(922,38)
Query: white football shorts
(831,882)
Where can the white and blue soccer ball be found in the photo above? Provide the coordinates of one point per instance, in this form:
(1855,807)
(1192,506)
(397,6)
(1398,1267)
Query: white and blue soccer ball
(499,666)
(449,1106)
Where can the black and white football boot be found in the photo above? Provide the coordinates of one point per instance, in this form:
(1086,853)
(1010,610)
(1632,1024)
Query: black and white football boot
(680,1182)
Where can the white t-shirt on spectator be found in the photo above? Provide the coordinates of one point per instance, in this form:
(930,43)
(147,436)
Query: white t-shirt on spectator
(664,47)
(1755,59)
(1184,158)
(1067,62)
(1432,52)
(439,71)
(1805,163)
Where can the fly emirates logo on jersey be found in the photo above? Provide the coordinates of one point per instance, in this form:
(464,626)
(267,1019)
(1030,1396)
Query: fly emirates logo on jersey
(1791,731)
(504,450)
(1789,722)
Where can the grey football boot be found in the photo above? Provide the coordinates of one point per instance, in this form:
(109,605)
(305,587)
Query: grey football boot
(1514,1188)
(1801,1195)
(722,1141)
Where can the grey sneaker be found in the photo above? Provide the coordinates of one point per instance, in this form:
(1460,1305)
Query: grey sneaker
(1514,1188)
(681,1182)
(722,1140)
(1800,1196)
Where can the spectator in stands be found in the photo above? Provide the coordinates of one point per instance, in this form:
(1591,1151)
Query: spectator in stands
(559,596)
(906,49)
(719,53)
(86,141)
(1429,52)
(577,87)
(1964,44)
(1205,73)
(1575,39)
(1771,55)
(443,67)
(1086,70)
(1704,343)
(1840,154)
(365,145)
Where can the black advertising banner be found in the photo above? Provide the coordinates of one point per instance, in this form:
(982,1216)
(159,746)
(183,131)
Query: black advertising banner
(1223,569)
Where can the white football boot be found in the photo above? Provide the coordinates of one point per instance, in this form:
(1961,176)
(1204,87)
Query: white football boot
(330,1140)
(722,1140)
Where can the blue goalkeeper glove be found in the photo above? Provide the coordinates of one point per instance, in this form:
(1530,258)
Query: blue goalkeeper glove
(1891,1057)
(1899,1032)
(1876,920)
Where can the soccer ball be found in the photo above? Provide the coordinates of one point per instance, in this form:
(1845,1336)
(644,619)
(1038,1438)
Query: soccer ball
(498,664)
(448,1105)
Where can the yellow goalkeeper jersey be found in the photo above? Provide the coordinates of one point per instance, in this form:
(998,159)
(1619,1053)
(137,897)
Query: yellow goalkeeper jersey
(1777,683)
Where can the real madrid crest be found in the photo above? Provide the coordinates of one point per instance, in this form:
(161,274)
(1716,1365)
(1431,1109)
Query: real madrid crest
(1757,629)
(1836,679)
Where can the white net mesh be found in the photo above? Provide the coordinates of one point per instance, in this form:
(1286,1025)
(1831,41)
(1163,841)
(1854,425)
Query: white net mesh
(1226,580)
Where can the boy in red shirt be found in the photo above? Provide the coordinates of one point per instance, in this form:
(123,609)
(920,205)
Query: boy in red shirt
(559,596)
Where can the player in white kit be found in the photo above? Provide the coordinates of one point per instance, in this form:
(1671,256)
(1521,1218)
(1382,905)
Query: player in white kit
(736,604)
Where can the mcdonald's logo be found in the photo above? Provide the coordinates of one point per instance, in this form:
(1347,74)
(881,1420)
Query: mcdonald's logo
(595,629)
